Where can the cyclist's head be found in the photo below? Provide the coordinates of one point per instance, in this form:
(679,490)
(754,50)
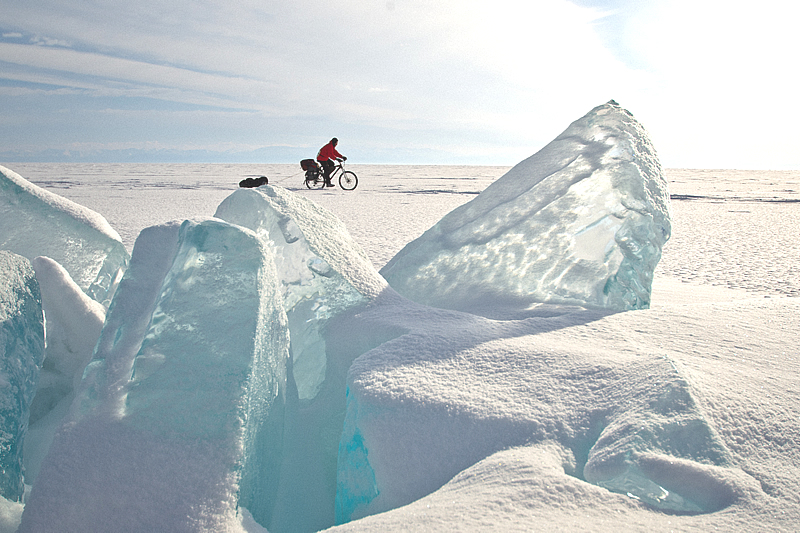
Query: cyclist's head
(334,141)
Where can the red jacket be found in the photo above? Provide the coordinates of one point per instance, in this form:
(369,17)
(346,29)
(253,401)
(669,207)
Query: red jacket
(328,152)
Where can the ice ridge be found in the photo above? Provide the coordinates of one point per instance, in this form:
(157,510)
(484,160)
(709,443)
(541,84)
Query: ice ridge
(322,270)
(324,277)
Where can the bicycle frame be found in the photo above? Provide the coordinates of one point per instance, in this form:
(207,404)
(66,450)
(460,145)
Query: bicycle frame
(347,179)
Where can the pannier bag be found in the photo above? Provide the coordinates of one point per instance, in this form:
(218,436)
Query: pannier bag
(308,164)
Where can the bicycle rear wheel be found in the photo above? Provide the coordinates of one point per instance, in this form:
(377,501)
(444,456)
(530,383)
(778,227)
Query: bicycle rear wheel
(348,180)
(314,181)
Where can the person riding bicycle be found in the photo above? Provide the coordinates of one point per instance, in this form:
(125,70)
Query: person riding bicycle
(327,154)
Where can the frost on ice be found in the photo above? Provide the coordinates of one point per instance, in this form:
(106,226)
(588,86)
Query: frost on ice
(21,355)
(583,221)
(35,222)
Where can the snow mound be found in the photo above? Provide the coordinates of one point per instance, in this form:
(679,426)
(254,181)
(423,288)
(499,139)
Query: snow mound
(457,388)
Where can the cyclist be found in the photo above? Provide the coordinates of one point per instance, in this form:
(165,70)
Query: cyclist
(327,154)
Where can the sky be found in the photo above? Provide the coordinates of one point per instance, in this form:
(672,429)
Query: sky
(397,81)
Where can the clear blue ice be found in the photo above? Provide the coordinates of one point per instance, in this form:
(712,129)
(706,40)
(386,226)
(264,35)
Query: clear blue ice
(582,222)
(21,356)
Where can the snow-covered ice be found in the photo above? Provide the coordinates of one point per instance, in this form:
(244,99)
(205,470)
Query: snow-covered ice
(549,416)
(323,276)
(73,324)
(321,270)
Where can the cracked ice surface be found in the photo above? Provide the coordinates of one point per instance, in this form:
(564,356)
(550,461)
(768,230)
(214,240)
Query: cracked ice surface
(583,221)
(35,222)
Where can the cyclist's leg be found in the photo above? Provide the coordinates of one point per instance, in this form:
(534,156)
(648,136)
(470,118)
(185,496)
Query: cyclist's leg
(327,168)
(325,171)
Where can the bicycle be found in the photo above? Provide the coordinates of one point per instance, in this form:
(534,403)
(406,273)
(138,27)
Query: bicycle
(315,179)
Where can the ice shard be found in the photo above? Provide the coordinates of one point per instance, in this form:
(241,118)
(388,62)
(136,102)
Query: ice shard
(180,410)
(324,278)
(583,221)
(322,270)
(21,356)
(35,222)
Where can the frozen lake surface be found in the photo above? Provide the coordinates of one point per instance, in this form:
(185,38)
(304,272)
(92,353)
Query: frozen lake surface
(731,228)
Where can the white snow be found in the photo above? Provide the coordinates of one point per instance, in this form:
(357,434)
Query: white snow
(479,423)
(73,323)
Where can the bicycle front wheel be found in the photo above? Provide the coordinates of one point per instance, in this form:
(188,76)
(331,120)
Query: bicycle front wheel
(348,180)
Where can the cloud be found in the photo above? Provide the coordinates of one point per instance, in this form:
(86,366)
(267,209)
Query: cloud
(103,74)
(721,74)
(322,58)
(472,74)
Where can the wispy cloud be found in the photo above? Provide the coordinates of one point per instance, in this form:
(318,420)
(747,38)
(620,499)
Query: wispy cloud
(109,75)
